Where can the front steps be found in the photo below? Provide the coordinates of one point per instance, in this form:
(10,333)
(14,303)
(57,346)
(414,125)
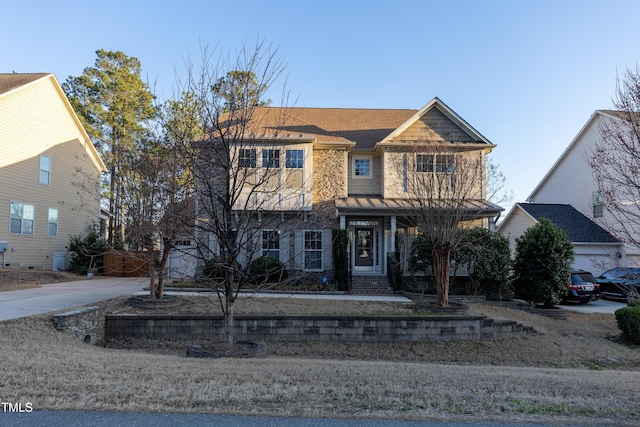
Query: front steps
(370,284)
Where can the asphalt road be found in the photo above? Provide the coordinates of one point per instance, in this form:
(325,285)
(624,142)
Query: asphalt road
(108,419)
(60,296)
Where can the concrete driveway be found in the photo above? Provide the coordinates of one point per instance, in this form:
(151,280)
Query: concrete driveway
(600,306)
(60,296)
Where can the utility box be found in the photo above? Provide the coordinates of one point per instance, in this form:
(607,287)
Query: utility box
(3,247)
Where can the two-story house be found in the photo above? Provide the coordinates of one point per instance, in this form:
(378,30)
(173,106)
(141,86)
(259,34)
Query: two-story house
(48,167)
(327,168)
(568,196)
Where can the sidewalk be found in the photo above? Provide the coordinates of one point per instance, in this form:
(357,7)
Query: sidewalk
(60,296)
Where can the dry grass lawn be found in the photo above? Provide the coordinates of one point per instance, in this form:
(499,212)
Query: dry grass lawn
(572,371)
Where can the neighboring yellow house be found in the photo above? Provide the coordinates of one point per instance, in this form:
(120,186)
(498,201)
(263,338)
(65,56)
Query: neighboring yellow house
(48,167)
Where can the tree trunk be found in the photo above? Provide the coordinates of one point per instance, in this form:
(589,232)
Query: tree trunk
(166,250)
(229,321)
(152,279)
(441,261)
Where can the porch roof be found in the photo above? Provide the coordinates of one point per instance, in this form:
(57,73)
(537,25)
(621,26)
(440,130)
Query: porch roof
(377,205)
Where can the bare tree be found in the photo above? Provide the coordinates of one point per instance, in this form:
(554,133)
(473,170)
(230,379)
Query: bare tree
(496,180)
(445,199)
(236,166)
(615,160)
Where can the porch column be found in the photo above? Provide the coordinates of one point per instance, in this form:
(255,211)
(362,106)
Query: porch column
(343,221)
(393,233)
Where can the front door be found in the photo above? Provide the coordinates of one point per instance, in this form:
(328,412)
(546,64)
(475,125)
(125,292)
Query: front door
(364,248)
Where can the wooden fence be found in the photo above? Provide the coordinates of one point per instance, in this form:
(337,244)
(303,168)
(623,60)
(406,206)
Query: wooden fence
(127,263)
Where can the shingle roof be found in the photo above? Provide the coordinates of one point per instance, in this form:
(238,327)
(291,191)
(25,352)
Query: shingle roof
(578,227)
(365,127)
(12,81)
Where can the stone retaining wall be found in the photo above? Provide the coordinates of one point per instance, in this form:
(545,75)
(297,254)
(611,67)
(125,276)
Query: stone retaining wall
(86,323)
(312,328)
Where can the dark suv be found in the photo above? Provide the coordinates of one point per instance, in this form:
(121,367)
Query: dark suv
(582,287)
(620,284)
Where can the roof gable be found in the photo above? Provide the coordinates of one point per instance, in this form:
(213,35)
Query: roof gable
(10,83)
(436,122)
(369,128)
(578,227)
(598,114)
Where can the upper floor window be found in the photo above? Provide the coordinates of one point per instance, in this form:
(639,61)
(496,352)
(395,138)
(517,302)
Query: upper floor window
(597,204)
(52,223)
(21,218)
(362,167)
(424,163)
(295,159)
(45,170)
(434,163)
(270,158)
(247,158)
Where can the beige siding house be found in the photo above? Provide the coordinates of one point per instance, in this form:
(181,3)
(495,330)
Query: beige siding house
(362,160)
(570,182)
(46,159)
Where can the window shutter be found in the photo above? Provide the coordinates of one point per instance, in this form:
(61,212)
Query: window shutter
(299,250)
(284,247)
(327,264)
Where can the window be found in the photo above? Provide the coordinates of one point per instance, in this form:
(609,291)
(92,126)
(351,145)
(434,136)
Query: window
(247,158)
(597,204)
(444,163)
(52,223)
(271,244)
(295,159)
(295,164)
(21,218)
(434,163)
(424,163)
(361,167)
(313,250)
(45,170)
(270,158)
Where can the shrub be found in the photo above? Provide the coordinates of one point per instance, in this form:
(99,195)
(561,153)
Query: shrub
(487,257)
(628,319)
(634,303)
(267,270)
(340,239)
(542,264)
(214,269)
(86,252)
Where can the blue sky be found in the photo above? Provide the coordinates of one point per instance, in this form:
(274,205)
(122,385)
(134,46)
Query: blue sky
(525,74)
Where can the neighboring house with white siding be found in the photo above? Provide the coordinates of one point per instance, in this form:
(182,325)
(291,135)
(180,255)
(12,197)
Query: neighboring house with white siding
(570,181)
(46,162)
(349,168)
(596,250)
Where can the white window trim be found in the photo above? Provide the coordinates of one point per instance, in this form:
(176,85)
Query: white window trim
(304,250)
(57,222)
(22,219)
(48,171)
(353,167)
(263,250)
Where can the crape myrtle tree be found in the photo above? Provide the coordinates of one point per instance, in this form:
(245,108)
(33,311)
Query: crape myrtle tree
(484,254)
(443,188)
(159,210)
(114,105)
(235,165)
(615,161)
(542,264)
